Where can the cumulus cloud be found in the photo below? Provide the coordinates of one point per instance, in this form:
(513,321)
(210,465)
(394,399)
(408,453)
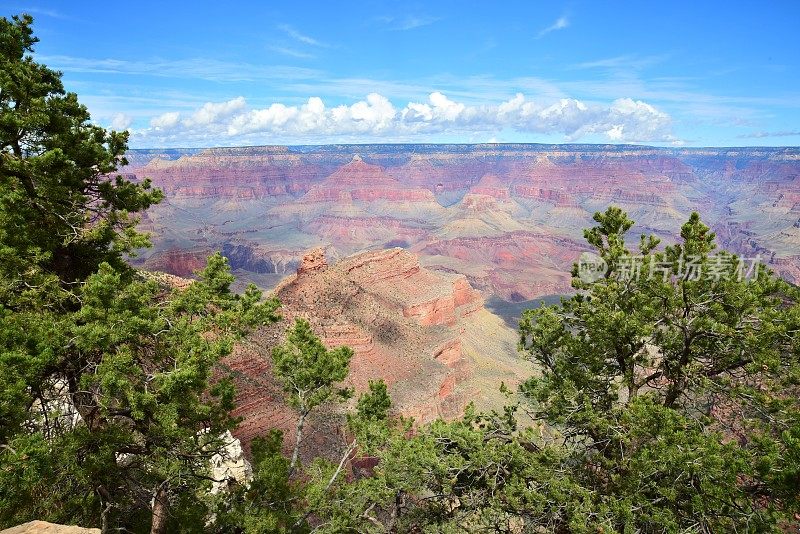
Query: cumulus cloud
(120,121)
(165,120)
(212,113)
(376,118)
(440,109)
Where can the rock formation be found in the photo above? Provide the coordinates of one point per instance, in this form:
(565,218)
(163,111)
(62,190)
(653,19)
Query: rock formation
(230,467)
(462,208)
(312,262)
(43,527)
(426,333)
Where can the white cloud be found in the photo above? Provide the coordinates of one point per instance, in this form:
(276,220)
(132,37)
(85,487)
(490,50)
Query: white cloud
(300,37)
(291,52)
(641,120)
(407,22)
(212,113)
(377,118)
(440,109)
(165,120)
(616,133)
(413,22)
(273,118)
(560,23)
(373,115)
(120,121)
(201,68)
(625,62)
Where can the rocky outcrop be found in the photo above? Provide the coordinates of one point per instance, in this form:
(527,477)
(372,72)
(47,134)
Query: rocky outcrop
(313,261)
(449,352)
(230,467)
(430,298)
(43,527)
(406,324)
(439,310)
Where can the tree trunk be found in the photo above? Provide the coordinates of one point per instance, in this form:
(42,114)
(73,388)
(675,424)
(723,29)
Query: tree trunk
(160,510)
(673,392)
(105,502)
(297,439)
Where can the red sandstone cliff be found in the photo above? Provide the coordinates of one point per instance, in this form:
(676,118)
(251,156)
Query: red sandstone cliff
(421,331)
(361,181)
(268,204)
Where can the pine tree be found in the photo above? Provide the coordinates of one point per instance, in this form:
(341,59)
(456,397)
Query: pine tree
(109,409)
(673,380)
(308,372)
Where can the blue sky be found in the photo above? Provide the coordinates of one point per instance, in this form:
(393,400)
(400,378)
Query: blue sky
(207,73)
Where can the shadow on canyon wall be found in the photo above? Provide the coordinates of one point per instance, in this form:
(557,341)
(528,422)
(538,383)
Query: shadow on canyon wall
(511,312)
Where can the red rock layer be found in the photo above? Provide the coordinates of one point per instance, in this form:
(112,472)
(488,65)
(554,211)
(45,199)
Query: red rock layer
(418,195)
(491,185)
(358,230)
(510,258)
(234,173)
(557,197)
(363,182)
(179,262)
(402,321)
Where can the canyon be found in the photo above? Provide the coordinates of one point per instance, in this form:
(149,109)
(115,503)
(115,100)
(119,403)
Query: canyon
(507,217)
(426,333)
(421,257)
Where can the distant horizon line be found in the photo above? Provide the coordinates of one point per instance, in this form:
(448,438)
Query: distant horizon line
(399,144)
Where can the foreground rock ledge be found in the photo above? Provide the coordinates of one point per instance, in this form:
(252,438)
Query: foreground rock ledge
(43,527)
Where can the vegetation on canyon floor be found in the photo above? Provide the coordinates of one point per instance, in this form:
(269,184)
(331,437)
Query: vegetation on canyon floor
(663,403)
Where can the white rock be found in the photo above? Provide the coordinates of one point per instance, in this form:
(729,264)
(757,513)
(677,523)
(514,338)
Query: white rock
(230,467)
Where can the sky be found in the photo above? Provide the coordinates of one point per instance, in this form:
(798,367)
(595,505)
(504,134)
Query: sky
(197,74)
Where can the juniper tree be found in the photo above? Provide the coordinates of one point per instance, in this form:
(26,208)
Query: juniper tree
(673,379)
(308,372)
(107,407)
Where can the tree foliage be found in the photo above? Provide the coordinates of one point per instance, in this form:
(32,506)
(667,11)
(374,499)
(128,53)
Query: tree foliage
(308,371)
(108,415)
(673,385)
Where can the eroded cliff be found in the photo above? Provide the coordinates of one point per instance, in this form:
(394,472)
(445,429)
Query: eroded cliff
(426,333)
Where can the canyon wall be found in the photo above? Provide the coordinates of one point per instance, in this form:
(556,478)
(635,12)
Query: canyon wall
(508,217)
(427,334)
